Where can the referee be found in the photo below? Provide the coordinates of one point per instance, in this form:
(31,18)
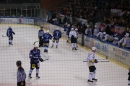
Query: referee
(21,75)
(40,34)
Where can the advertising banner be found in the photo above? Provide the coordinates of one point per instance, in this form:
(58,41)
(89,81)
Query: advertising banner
(25,21)
(8,20)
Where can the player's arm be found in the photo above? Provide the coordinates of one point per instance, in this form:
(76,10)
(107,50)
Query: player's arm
(92,59)
(30,54)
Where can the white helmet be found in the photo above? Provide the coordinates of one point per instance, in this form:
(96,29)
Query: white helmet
(57,28)
(47,31)
(94,48)
(104,33)
(72,28)
(36,45)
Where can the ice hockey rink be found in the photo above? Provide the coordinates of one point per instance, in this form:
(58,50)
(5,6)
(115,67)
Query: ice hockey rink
(64,67)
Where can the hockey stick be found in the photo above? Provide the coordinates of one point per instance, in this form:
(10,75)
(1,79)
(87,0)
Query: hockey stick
(35,42)
(4,36)
(98,61)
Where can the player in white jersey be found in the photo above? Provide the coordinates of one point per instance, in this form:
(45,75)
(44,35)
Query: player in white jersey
(73,37)
(126,42)
(91,64)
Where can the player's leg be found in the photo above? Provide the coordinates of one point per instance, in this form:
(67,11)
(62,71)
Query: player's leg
(68,38)
(91,71)
(11,40)
(57,41)
(46,46)
(94,73)
(53,42)
(32,66)
(40,41)
(37,70)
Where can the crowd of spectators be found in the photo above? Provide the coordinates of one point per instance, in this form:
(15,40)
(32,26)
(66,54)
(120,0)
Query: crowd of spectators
(88,9)
(100,9)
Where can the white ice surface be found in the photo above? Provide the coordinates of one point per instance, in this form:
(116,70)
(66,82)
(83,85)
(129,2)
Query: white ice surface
(64,67)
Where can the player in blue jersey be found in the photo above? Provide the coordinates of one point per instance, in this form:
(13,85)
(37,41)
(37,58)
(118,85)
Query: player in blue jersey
(67,29)
(46,37)
(56,36)
(10,33)
(34,56)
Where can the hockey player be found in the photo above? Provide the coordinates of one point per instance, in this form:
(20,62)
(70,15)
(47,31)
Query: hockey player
(91,64)
(73,37)
(67,29)
(34,56)
(46,38)
(129,77)
(10,33)
(40,34)
(56,36)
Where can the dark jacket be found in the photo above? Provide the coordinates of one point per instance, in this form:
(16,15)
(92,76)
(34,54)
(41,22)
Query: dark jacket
(21,75)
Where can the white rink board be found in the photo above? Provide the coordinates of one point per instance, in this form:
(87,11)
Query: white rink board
(65,67)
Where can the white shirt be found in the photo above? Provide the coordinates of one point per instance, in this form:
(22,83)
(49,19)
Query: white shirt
(73,33)
(90,58)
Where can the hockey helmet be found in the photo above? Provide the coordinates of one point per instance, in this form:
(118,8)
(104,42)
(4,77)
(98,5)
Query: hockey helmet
(47,31)
(94,48)
(72,28)
(36,45)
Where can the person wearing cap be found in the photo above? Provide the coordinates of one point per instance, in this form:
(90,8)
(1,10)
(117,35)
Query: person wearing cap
(46,37)
(129,77)
(34,56)
(21,75)
(9,34)
(56,36)
(126,42)
(91,64)
(73,37)
(40,34)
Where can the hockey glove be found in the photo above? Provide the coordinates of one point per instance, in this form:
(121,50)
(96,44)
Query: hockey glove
(96,61)
(40,59)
